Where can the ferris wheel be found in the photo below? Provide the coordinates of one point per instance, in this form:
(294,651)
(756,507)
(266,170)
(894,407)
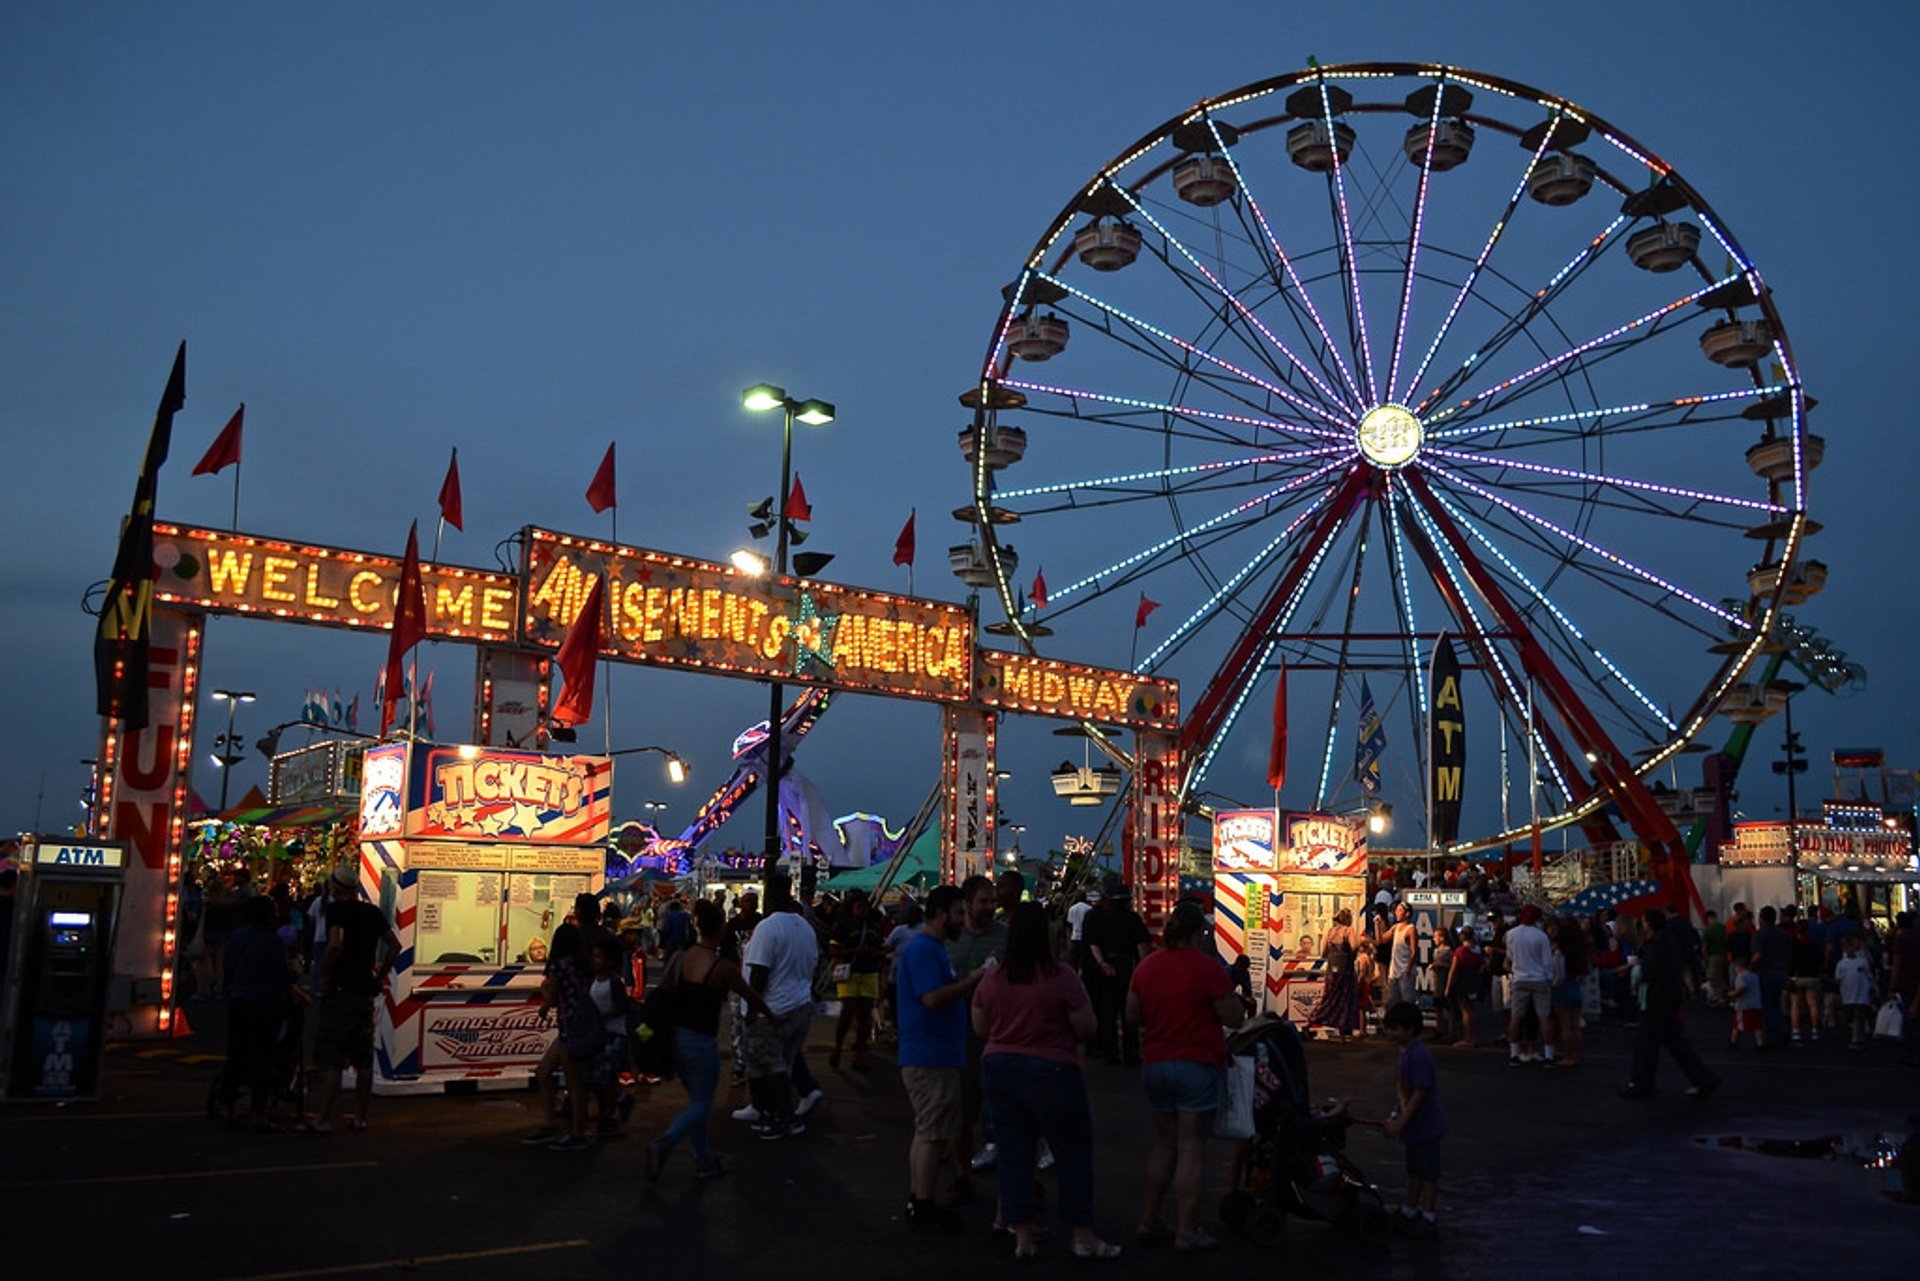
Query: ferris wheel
(1339,362)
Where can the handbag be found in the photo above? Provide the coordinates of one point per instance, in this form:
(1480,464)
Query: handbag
(1889,1024)
(1234,1118)
(842,971)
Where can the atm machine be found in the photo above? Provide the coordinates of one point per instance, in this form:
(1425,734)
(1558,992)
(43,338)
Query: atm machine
(58,968)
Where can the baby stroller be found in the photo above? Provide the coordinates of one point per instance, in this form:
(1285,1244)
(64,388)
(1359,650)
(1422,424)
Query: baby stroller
(289,1074)
(1296,1162)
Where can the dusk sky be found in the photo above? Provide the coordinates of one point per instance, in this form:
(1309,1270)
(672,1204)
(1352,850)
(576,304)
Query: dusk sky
(525,231)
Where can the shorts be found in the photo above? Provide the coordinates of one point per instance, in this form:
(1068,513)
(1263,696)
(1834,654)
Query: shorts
(857,987)
(1749,1021)
(773,1044)
(1423,1160)
(1802,983)
(1570,995)
(345,1035)
(935,1095)
(1182,1085)
(1530,993)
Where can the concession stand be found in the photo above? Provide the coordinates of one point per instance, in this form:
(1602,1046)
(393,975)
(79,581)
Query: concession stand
(1275,900)
(475,854)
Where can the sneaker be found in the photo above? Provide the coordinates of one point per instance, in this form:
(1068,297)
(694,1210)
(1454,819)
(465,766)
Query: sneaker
(750,1114)
(1046,1156)
(1513,1060)
(569,1143)
(985,1157)
(773,1131)
(925,1216)
(807,1101)
(541,1137)
(1701,1093)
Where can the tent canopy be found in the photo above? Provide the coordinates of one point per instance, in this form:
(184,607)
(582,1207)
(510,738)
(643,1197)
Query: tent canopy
(919,865)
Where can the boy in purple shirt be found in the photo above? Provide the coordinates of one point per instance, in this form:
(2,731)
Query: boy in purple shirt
(1421,1122)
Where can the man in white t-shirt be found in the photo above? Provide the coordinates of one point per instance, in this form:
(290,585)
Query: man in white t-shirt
(780,961)
(1530,967)
(1076,917)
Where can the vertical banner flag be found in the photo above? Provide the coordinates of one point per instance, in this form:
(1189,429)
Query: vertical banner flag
(600,492)
(1446,745)
(124,640)
(450,494)
(1142,610)
(409,629)
(797,507)
(1277,752)
(1372,744)
(903,545)
(426,703)
(225,450)
(576,659)
(1039,592)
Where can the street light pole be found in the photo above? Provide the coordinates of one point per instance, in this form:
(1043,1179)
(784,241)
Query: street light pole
(227,757)
(759,398)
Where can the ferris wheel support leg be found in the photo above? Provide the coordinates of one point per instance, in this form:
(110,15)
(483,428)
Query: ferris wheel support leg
(1649,822)
(1210,709)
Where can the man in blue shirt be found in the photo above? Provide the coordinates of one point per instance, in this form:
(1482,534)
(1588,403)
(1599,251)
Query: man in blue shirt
(932,1051)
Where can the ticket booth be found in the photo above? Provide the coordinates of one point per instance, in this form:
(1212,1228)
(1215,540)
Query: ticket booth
(1278,880)
(475,855)
(59,967)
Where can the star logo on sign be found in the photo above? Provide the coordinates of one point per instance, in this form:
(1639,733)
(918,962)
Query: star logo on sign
(813,635)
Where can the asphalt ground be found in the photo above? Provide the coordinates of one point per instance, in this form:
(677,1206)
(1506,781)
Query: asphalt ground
(1547,1173)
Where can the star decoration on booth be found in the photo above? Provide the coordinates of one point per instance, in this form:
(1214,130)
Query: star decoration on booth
(813,635)
(523,818)
(495,821)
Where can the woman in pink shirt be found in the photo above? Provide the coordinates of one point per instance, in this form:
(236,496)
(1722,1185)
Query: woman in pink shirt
(1035,1015)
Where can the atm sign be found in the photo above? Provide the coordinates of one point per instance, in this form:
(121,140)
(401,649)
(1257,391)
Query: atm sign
(79,856)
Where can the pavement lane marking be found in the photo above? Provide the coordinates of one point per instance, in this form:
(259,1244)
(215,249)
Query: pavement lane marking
(189,1174)
(411,1262)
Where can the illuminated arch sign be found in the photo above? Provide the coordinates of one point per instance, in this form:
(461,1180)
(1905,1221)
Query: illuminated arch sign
(1050,687)
(673,611)
(232,573)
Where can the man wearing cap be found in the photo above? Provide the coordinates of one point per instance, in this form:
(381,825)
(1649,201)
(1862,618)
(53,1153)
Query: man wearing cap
(351,972)
(1530,969)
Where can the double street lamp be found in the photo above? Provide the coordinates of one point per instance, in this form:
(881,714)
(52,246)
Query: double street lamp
(227,747)
(760,398)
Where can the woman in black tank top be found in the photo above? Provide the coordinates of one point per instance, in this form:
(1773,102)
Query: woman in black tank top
(695,987)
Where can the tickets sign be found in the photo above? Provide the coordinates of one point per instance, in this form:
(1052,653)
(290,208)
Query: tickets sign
(232,573)
(1325,844)
(466,793)
(673,611)
(1243,841)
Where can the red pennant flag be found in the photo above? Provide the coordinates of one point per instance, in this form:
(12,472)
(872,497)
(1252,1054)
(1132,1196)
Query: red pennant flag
(1146,607)
(796,508)
(600,492)
(1039,592)
(903,545)
(450,494)
(409,627)
(1277,753)
(225,450)
(578,654)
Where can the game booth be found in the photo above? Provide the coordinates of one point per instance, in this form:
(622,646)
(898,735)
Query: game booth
(475,855)
(1275,900)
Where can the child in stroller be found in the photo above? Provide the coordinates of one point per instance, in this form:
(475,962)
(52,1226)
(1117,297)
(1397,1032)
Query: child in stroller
(1296,1162)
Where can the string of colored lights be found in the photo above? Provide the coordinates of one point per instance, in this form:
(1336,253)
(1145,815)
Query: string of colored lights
(1333,398)
(1286,261)
(1328,414)
(1486,252)
(1590,546)
(1413,236)
(1598,480)
(1480,428)
(1344,433)
(1350,262)
(1402,595)
(1167,473)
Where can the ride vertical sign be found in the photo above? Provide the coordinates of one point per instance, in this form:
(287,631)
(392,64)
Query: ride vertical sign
(1446,746)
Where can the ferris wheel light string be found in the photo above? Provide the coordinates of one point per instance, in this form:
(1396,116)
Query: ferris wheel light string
(1588,545)
(1405,602)
(1480,536)
(1593,478)
(1486,252)
(1006,324)
(1207,606)
(1413,239)
(1300,288)
(1495,658)
(1167,473)
(1182,411)
(1605,411)
(1209,523)
(1231,297)
(1656,314)
(1298,402)
(1346,233)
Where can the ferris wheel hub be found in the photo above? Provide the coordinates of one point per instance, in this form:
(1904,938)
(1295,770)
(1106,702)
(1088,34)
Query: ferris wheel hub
(1390,436)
